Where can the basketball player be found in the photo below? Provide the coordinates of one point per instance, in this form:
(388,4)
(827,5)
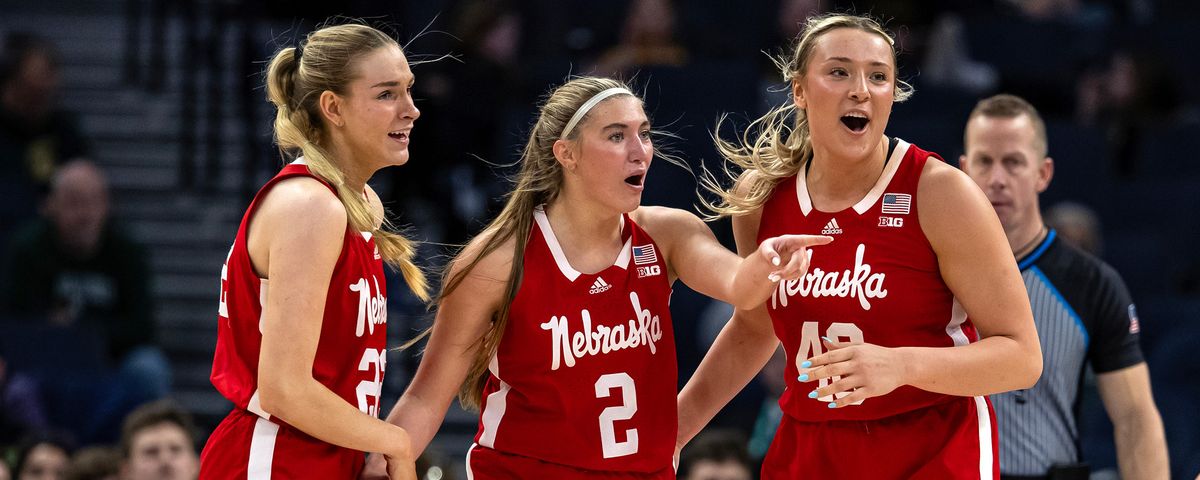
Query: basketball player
(554,320)
(301,340)
(1083,312)
(907,320)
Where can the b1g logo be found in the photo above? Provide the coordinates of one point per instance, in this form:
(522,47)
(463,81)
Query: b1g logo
(891,221)
(649,271)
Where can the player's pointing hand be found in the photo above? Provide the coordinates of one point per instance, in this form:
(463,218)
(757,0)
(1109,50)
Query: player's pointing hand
(790,254)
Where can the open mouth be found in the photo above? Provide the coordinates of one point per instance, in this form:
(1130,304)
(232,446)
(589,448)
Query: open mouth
(398,135)
(635,180)
(855,123)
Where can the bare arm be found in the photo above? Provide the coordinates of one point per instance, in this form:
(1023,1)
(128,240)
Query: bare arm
(1137,427)
(296,237)
(696,257)
(977,265)
(462,319)
(748,338)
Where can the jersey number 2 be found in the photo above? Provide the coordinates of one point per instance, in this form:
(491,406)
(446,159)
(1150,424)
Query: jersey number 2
(608,434)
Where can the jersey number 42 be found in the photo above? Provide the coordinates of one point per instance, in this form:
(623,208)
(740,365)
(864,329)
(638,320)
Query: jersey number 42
(810,346)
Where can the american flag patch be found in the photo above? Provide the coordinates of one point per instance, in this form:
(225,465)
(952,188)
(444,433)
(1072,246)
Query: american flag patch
(644,255)
(1133,321)
(896,203)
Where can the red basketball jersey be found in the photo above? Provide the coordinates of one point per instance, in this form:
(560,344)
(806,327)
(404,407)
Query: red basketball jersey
(878,282)
(585,374)
(350,356)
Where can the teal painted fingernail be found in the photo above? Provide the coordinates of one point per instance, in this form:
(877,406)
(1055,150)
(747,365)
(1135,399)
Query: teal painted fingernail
(803,377)
(812,394)
(832,405)
(806,364)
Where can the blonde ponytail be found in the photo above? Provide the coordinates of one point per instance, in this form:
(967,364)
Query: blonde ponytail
(326,63)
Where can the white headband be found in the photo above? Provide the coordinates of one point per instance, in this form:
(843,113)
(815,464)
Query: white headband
(583,110)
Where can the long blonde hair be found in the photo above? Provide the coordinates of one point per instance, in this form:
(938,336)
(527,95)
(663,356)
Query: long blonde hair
(770,149)
(295,80)
(538,182)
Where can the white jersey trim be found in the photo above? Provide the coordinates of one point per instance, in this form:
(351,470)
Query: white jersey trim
(262,450)
(255,406)
(560,258)
(497,404)
(262,301)
(985,438)
(958,316)
(470,450)
(954,329)
(889,172)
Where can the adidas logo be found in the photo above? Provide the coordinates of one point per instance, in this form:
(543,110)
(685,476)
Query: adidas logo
(599,286)
(831,228)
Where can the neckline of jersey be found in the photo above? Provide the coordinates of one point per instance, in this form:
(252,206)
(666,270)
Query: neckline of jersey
(898,148)
(560,257)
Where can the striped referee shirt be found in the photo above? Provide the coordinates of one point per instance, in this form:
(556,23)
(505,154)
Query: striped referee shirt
(1084,314)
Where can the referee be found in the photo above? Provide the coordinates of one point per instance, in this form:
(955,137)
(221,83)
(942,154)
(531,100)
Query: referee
(1082,309)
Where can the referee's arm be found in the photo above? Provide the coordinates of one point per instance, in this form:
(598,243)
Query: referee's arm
(1123,380)
(1137,426)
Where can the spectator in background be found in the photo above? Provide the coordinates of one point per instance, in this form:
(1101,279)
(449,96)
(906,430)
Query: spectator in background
(42,457)
(1082,310)
(5,472)
(647,39)
(1134,92)
(35,136)
(21,410)
(158,443)
(467,103)
(716,455)
(94,463)
(948,62)
(1078,224)
(76,267)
